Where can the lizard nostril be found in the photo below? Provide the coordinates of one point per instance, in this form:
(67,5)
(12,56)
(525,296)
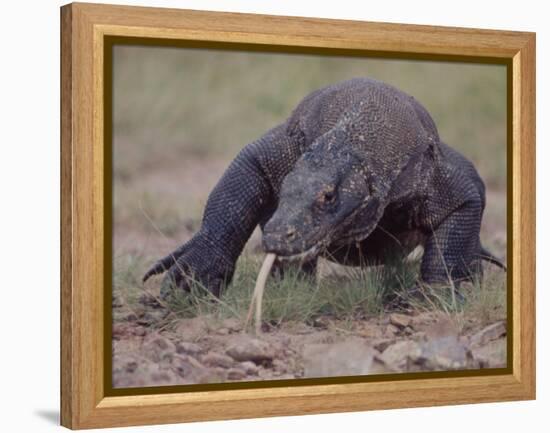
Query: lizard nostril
(290,234)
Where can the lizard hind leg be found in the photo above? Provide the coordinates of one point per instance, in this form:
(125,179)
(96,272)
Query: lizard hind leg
(452,251)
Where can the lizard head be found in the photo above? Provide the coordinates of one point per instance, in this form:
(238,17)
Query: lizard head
(318,201)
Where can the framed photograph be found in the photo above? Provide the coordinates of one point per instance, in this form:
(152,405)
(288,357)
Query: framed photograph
(266,215)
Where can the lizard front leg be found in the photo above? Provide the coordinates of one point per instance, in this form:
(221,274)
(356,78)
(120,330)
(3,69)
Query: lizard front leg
(244,195)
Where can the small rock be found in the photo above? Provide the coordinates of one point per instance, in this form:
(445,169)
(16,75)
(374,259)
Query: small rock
(400,320)
(321,322)
(490,333)
(158,348)
(223,331)
(187,367)
(140,331)
(280,366)
(117,302)
(194,362)
(162,377)
(299,328)
(181,365)
(378,367)
(440,327)
(151,317)
(391,330)
(131,366)
(127,346)
(232,324)
(347,358)
(119,330)
(193,329)
(420,336)
(131,317)
(213,375)
(286,376)
(399,355)
(288,353)
(189,348)
(249,367)
(235,374)
(160,343)
(371,331)
(265,374)
(250,349)
(214,359)
(284,340)
(408,330)
(424,318)
(221,372)
(445,353)
(492,355)
(383,344)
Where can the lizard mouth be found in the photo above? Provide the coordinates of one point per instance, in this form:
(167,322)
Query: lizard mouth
(305,255)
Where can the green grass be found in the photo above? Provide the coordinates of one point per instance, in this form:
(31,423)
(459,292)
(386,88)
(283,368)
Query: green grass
(356,293)
(486,300)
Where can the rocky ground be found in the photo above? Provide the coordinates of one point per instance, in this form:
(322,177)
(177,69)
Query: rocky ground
(148,352)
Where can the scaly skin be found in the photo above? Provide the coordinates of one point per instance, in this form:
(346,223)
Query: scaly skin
(357,172)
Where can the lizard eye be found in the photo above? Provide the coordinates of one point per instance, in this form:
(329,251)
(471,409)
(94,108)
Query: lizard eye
(329,197)
(325,198)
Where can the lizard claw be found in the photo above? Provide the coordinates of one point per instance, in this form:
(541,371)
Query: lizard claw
(156,269)
(195,264)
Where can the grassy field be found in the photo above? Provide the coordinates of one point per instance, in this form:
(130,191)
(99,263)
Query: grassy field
(181,115)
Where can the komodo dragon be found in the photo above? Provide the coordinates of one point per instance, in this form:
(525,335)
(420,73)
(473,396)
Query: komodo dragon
(355,174)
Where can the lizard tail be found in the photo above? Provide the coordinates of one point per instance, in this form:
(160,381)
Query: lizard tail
(489,257)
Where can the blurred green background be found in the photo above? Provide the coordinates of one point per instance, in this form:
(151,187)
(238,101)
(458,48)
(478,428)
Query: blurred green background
(180,116)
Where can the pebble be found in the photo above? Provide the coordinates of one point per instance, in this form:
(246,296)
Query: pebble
(371,331)
(192,329)
(398,355)
(391,330)
(131,317)
(232,324)
(186,347)
(181,365)
(250,349)
(140,331)
(445,353)
(280,366)
(383,344)
(400,320)
(214,359)
(158,348)
(492,355)
(249,367)
(489,333)
(235,374)
(351,357)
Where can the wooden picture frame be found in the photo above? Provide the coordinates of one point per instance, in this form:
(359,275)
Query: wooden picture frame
(85,28)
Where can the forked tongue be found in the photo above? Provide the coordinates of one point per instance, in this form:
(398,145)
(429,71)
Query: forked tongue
(258,293)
